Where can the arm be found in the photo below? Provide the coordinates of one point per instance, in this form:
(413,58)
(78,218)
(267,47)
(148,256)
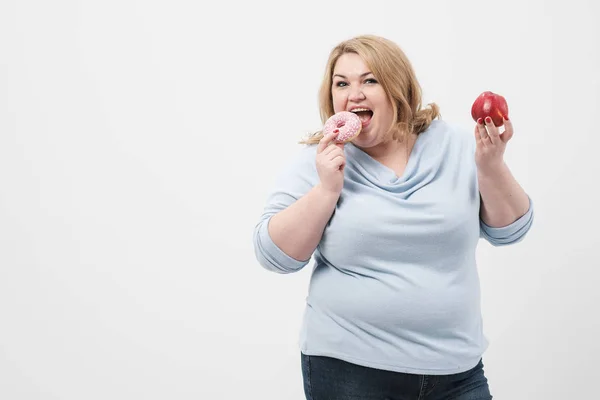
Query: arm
(297,230)
(506,212)
(299,209)
(503,200)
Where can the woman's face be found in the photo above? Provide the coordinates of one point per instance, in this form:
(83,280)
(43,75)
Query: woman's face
(355,88)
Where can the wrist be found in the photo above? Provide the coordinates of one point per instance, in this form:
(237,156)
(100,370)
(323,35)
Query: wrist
(327,194)
(492,172)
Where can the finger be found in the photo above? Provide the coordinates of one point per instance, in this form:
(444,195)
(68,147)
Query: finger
(329,149)
(334,154)
(338,161)
(508,130)
(492,129)
(482,131)
(477,134)
(334,147)
(324,142)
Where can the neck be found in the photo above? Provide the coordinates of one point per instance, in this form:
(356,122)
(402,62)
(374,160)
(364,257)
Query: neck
(391,148)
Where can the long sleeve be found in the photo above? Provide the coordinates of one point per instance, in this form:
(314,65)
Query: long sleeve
(297,179)
(510,234)
(269,255)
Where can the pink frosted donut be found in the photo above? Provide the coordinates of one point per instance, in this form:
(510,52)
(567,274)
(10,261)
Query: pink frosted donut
(346,123)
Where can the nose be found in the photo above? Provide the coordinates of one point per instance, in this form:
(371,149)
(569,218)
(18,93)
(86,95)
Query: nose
(356,94)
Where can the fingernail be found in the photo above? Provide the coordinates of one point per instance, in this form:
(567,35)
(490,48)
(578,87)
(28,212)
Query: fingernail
(488,120)
(480,121)
(506,117)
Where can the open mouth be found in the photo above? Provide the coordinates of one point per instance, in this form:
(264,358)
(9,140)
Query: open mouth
(364,114)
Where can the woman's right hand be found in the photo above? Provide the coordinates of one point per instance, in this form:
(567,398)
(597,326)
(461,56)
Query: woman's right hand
(330,162)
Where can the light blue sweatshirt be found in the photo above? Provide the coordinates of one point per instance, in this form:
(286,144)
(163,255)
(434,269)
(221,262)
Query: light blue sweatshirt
(394,284)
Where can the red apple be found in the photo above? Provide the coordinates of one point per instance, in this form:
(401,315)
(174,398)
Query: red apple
(492,105)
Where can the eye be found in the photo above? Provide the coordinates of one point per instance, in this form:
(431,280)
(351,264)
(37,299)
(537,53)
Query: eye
(371,80)
(340,84)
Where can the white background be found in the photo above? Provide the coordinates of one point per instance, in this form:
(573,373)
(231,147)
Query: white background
(138,142)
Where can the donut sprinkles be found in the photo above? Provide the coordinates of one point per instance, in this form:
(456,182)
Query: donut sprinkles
(346,124)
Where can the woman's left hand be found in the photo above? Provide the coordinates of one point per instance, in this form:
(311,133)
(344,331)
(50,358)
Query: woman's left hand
(489,154)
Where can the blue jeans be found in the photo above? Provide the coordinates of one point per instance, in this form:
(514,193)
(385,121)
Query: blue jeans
(328,378)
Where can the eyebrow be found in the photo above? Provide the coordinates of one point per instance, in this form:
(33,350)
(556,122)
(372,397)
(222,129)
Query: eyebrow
(343,77)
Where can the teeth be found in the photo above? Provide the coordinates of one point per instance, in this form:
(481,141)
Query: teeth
(360,109)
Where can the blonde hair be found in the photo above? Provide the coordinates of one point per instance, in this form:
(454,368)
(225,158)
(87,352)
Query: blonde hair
(394,72)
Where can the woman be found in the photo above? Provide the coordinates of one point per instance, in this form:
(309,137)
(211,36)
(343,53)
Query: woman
(393,220)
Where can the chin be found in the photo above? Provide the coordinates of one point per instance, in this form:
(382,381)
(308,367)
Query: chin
(366,139)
